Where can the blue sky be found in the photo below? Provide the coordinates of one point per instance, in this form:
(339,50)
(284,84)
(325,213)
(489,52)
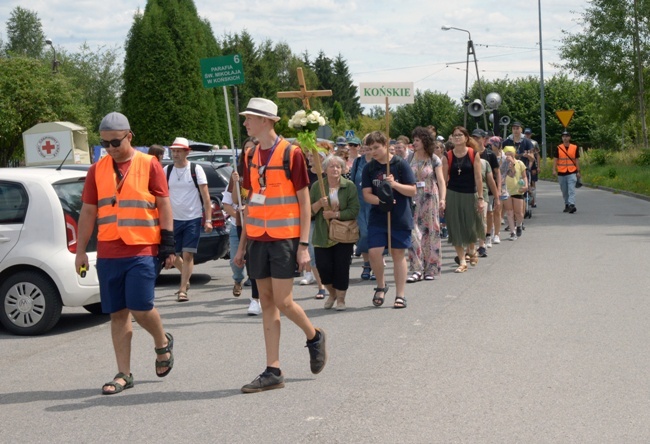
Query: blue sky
(383,41)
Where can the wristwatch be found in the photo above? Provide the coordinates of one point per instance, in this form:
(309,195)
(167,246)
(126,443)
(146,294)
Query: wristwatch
(304,244)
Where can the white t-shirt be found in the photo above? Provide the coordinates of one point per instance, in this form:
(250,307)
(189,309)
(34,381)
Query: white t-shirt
(184,197)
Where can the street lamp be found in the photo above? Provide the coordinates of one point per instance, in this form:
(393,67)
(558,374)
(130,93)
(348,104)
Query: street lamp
(470,51)
(541,82)
(55,62)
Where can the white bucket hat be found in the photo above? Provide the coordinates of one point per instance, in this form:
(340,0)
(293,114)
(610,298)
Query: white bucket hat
(180,142)
(261,107)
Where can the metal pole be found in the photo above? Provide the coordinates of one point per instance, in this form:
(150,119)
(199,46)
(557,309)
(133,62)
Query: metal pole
(234,152)
(236,97)
(541,82)
(470,45)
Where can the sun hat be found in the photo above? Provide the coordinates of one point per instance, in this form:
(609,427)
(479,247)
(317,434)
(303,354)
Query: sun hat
(510,149)
(114,122)
(258,106)
(180,142)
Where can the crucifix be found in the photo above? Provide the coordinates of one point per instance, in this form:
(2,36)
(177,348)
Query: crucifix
(304,94)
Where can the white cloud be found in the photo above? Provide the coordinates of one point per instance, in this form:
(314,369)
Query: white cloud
(382,40)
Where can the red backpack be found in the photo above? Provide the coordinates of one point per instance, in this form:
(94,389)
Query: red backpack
(450,156)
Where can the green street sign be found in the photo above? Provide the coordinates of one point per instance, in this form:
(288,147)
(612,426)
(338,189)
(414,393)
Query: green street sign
(222,71)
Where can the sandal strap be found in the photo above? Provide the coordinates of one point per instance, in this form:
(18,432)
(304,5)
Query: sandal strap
(168,348)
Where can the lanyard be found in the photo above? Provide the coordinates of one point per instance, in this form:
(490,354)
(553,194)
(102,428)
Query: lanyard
(262,169)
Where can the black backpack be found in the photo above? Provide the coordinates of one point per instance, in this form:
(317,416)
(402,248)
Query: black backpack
(286,160)
(192,173)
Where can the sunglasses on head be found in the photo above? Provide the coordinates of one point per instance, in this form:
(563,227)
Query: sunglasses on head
(114,143)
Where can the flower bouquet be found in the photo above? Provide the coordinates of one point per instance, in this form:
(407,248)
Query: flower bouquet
(306,122)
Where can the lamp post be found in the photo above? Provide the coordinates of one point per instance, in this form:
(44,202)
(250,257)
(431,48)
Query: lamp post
(470,51)
(541,82)
(55,62)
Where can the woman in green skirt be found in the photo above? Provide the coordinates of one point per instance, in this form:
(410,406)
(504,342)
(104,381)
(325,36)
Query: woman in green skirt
(462,168)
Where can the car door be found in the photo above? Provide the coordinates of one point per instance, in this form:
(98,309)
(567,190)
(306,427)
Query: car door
(13,208)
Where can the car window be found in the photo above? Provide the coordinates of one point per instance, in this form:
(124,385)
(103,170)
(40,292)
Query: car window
(13,203)
(70,197)
(198,157)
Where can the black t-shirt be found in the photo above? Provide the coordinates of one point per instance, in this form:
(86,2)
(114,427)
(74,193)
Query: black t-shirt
(373,173)
(522,146)
(491,158)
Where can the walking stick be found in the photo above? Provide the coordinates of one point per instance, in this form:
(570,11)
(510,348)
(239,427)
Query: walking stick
(388,174)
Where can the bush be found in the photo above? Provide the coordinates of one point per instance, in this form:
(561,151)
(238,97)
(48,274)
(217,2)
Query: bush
(611,173)
(643,159)
(597,157)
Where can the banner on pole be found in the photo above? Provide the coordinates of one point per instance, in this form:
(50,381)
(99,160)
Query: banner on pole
(222,71)
(395,92)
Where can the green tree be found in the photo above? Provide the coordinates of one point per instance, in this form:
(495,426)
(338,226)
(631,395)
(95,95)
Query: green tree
(430,108)
(163,89)
(98,77)
(610,48)
(343,89)
(25,33)
(521,102)
(31,94)
(325,73)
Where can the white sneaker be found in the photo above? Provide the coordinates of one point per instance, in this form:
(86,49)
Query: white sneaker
(308,278)
(254,308)
(496,239)
(488,241)
(513,237)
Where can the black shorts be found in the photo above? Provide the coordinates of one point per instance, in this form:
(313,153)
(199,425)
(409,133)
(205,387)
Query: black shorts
(517,196)
(275,259)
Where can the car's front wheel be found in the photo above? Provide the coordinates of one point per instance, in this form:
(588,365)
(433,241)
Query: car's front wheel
(31,303)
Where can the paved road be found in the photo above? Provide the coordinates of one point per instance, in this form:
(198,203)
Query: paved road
(544,341)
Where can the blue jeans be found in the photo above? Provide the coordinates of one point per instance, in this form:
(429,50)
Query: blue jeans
(568,187)
(237,272)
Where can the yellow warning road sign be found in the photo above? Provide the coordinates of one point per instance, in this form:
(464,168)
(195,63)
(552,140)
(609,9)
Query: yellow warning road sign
(565,116)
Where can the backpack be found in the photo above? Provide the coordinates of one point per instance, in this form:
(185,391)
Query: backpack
(192,173)
(450,157)
(286,160)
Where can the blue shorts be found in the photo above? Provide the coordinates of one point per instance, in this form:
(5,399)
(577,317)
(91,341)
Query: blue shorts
(127,283)
(378,237)
(187,234)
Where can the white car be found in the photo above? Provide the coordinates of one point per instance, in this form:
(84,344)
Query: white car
(39,211)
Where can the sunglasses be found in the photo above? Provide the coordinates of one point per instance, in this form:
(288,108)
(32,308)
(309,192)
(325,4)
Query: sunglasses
(262,179)
(114,143)
(353,144)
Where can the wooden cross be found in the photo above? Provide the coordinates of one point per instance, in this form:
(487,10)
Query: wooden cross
(304,94)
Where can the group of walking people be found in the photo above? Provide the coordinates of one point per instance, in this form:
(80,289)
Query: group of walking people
(285,218)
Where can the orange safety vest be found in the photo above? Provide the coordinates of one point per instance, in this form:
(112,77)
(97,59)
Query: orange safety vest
(566,159)
(279,215)
(130,214)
